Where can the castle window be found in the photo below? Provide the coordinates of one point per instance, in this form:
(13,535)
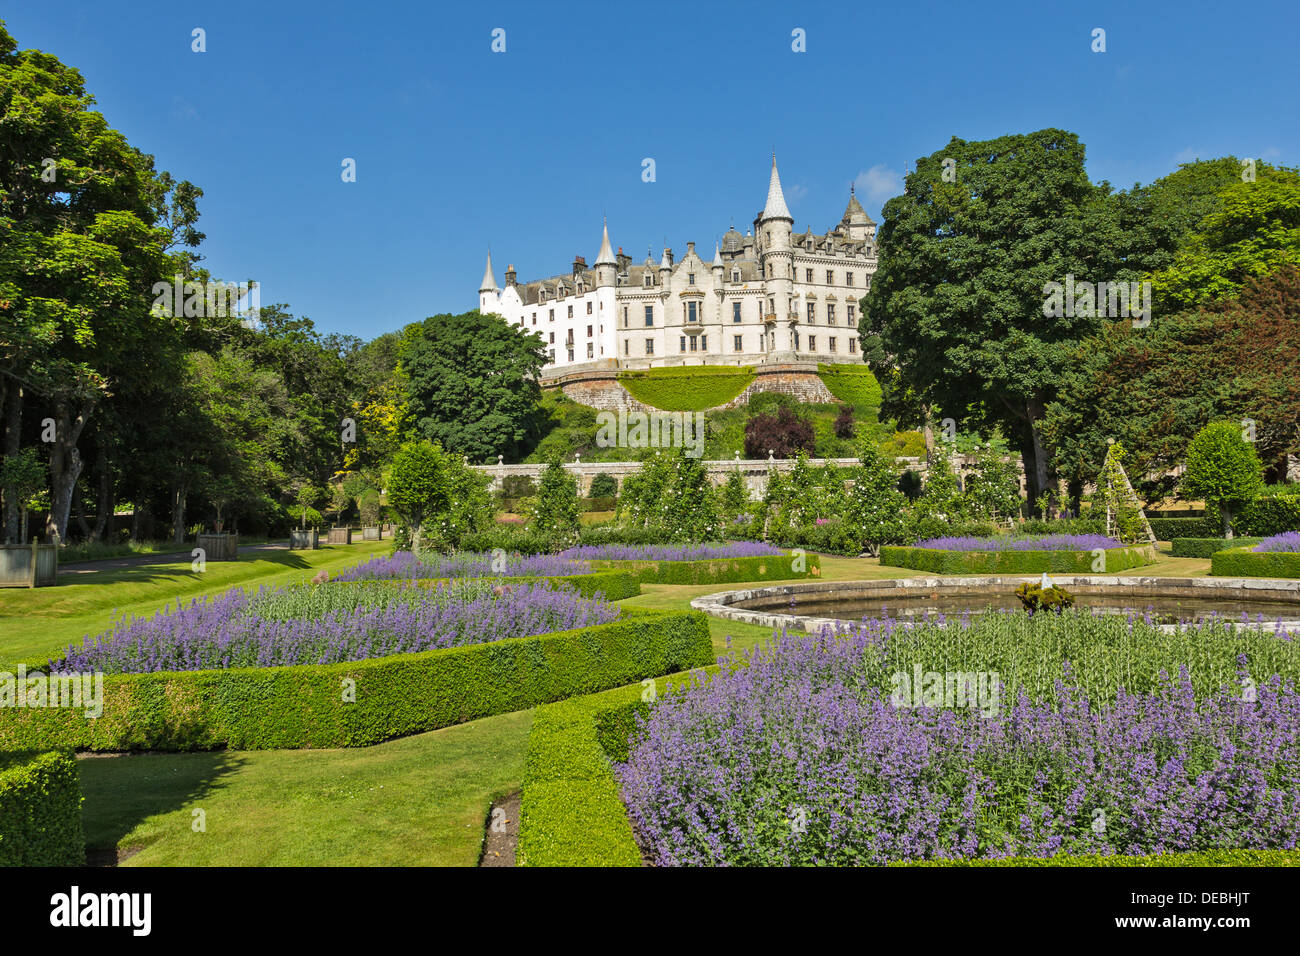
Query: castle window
(690,278)
(704,343)
(683,343)
(848,278)
(812,343)
(830,313)
(570,355)
(735,339)
(591,350)
(552,342)
(735,275)
(626,345)
(649,315)
(812,311)
(832,343)
(850,310)
(691,313)
(830,276)
(551,318)
(534,318)
(649,346)
(807,275)
(735,312)
(853,345)
(570,312)
(550,356)
(649,279)
(589,308)
(589,331)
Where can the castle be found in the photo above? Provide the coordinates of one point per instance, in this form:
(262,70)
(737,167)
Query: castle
(769,296)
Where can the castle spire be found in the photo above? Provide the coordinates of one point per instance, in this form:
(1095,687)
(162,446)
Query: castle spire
(606,255)
(489,283)
(776,207)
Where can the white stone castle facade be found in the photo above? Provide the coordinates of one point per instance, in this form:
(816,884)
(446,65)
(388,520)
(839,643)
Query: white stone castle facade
(771,295)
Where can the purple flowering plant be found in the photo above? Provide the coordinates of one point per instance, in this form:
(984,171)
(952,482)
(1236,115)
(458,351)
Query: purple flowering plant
(1288,541)
(404,565)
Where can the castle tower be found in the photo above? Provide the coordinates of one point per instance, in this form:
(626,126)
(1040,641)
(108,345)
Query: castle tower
(606,265)
(856,223)
(489,299)
(775,225)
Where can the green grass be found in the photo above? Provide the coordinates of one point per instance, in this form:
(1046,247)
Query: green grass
(43,621)
(687,389)
(419,801)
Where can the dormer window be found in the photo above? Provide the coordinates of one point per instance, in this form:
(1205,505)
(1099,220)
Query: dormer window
(735,275)
(690,278)
(649,280)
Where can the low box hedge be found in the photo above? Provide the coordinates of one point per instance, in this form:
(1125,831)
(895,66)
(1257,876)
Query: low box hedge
(1244,563)
(571,812)
(1013,562)
(1206,547)
(613,585)
(40,810)
(772,567)
(256,708)
(1167,529)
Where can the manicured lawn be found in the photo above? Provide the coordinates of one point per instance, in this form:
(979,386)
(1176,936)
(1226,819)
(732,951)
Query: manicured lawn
(419,801)
(43,621)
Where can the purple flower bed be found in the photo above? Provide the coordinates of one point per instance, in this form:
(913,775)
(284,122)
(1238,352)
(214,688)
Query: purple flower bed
(325,625)
(670,552)
(403,565)
(1048,542)
(1290,541)
(791,760)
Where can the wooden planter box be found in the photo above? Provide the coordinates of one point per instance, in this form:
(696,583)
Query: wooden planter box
(219,547)
(304,539)
(32,565)
(339,536)
(374,533)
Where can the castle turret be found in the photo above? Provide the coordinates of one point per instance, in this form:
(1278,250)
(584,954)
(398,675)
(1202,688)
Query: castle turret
(606,265)
(856,224)
(488,293)
(666,268)
(511,276)
(775,225)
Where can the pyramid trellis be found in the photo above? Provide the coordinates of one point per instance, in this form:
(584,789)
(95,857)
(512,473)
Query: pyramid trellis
(1124,514)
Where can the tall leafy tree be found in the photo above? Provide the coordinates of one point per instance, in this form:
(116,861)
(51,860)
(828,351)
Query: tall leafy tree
(471,383)
(957,302)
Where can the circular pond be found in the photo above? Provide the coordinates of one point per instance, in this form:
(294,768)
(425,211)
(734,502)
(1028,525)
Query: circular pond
(1168,600)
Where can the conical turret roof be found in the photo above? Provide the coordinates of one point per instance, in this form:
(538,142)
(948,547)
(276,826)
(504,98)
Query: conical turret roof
(606,254)
(854,213)
(489,283)
(775,207)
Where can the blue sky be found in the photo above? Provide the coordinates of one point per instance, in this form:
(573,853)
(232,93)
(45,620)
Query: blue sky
(459,148)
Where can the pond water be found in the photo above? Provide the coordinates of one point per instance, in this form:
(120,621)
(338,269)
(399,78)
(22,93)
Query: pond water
(1164,609)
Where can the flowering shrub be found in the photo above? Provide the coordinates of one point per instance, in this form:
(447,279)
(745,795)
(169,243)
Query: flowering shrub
(1289,542)
(324,625)
(1046,542)
(403,565)
(669,552)
(800,757)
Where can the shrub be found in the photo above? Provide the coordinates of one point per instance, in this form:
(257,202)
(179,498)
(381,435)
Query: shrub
(358,703)
(603,486)
(1275,510)
(1014,562)
(1205,547)
(40,810)
(1167,529)
(844,423)
(851,384)
(556,513)
(784,434)
(1223,469)
(368,504)
(1245,563)
(687,389)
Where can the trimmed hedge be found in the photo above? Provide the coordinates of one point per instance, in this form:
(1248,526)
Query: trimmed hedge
(1013,562)
(687,388)
(1194,858)
(256,708)
(40,810)
(1206,547)
(1244,563)
(613,585)
(571,812)
(1167,529)
(852,384)
(773,567)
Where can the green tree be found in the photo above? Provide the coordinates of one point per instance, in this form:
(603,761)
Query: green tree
(556,513)
(877,510)
(22,476)
(957,304)
(471,383)
(418,486)
(735,497)
(1223,470)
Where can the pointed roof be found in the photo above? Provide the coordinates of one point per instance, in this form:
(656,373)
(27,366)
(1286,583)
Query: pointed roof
(663,263)
(606,255)
(489,283)
(854,213)
(775,207)
(717,256)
